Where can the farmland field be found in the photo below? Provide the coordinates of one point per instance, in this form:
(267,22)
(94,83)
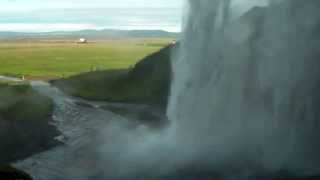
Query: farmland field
(50,59)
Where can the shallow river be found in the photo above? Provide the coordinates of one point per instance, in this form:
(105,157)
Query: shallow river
(83,125)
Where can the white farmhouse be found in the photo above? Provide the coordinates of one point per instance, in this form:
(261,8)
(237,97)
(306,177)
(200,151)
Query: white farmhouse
(82,41)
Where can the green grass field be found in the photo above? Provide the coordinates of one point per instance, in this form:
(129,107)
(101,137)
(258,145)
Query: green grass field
(48,59)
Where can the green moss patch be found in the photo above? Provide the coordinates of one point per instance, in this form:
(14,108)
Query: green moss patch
(19,102)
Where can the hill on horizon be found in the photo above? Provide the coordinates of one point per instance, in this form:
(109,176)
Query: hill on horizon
(89,34)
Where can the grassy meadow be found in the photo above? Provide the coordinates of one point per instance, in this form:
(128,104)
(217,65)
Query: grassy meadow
(51,59)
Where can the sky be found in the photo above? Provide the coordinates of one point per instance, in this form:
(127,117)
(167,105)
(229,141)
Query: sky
(72,15)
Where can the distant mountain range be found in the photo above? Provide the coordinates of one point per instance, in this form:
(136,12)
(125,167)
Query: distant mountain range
(89,34)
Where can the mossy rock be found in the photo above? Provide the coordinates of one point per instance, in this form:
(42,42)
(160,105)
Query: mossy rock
(19,102)
(25,117)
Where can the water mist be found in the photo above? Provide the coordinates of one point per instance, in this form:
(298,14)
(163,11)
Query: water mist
(244,100)
(244,97)
(246,89)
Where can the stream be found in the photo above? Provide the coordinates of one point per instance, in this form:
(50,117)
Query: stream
(83,125)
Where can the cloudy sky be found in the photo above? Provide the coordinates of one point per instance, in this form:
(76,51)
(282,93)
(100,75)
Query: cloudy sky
(69,15)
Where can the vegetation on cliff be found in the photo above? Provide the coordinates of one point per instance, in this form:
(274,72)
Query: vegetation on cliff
(24,122)
(147,82)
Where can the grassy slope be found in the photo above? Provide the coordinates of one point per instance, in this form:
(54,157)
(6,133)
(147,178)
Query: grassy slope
(65,58)
(24,122)
(147,82)
(20,102)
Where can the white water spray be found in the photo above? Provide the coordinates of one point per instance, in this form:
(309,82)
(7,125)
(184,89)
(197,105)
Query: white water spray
(245,100)
(247,91)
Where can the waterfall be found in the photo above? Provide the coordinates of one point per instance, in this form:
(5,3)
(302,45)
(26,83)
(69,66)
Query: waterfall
(246,90)
(244,101)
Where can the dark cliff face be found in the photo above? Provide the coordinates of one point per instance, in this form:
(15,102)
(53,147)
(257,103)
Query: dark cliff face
(155,70)
(286,35)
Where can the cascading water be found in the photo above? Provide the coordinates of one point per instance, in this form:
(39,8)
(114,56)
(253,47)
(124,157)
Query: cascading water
(246,90)
(245,99)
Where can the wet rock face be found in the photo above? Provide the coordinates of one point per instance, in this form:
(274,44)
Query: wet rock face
(10,173)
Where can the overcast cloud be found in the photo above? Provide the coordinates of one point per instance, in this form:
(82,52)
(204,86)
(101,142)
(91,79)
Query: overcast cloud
(52,15)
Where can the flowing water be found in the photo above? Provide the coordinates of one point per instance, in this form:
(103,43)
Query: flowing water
(246,91)
(82,125)
(245,99)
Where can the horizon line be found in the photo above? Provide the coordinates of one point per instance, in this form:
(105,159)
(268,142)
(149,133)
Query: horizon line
(74,27)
